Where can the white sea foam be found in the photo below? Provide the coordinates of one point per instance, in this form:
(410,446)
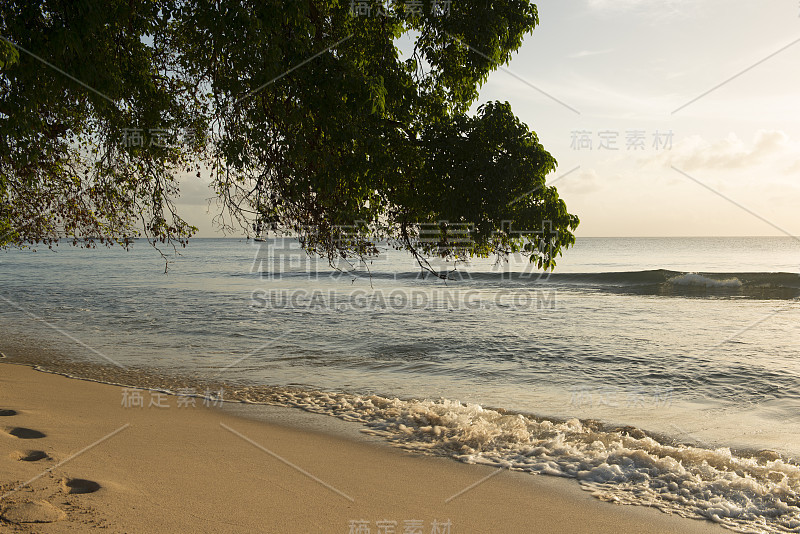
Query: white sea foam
(748,494)
(698,280)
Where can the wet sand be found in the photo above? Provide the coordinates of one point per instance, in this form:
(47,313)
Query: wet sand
(90,462)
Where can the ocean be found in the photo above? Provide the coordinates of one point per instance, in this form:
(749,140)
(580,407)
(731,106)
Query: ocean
(657,371)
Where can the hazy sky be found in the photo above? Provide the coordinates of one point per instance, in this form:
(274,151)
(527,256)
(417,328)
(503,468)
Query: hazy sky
(617,72)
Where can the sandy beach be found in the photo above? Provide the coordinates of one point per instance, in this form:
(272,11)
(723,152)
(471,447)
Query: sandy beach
(74,458)
(406,267)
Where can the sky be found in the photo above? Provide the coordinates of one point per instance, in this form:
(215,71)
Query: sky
(714,82)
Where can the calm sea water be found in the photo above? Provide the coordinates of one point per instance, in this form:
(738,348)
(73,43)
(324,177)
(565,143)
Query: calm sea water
(683,349)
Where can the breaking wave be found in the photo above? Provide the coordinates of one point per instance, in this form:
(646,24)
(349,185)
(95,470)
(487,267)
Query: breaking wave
(674,283)
(757,492)
(698,280)
(746,491)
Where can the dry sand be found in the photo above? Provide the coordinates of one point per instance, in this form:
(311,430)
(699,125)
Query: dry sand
(95,464)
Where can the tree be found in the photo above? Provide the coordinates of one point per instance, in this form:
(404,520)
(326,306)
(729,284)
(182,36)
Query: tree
(313,122)
(77,79)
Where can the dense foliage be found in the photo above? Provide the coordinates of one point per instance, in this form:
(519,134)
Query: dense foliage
(306,113)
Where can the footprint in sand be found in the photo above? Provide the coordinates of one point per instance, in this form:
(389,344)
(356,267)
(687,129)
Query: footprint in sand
(29,456)
(79,485)
(24,433)
(35,511)
(32,512)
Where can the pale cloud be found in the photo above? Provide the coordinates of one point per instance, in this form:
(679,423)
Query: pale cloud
(794,168)
(581,183)
(588,53)
(653,6)
(195,191)
(770,148)
(620,5)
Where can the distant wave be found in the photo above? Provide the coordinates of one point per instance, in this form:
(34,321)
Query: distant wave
(760,285)
(691,284)
(698,280)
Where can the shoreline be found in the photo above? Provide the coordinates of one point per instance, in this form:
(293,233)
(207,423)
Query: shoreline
(202,469)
